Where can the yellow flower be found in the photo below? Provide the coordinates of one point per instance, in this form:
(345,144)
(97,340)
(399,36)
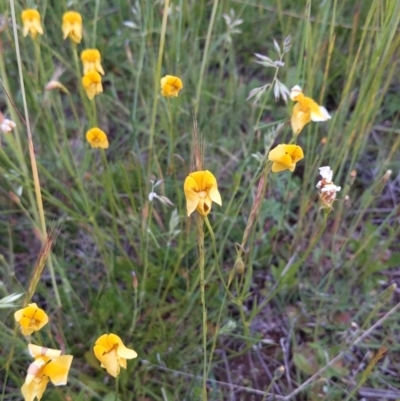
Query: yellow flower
(97,138)
(170,86)
(112,353)
(31,318)
(91,60)
(91,82)
(285,157)
(305,110)
(49,365)
(201,190)
(31,22)
(72,26)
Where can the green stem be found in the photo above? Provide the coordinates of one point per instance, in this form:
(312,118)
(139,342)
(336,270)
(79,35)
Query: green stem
(214,343)
(211,231)
(200,241)
(205,56)
(135,305)
(96,15)
(171,136)
(36,182)
(157,85)
(108,184)
(266,98)
(116,388)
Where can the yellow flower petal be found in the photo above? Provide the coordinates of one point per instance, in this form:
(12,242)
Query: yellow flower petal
(57,369)
(305,110)
(34,369)
(44,369)
(91,60)
(122,351)
(72,26)
(31,22)
(97,138)
(28,392)
(277,167)
(38,350)
(34,389)
(110,362)
(31,318)
(112,353)
(209,181)
(201,190)
(192,200)
(91,82)
(215,195)
(320,114)
(170,86)
(285,157)
(299,119)
(204,206)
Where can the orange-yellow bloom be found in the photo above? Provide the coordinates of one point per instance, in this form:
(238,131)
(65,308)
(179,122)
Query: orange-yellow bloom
(91,60)
(31,22)
(201,190)
(91,82)
(285,157)
(305,110)
(31,318)
(49,365)
(97,138)
(170,86)
(112,353)
(72,26)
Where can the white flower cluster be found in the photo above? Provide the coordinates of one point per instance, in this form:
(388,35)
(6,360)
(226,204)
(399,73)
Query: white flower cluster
(327,189)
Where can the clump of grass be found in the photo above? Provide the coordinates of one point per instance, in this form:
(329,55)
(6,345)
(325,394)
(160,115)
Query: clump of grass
(275,289)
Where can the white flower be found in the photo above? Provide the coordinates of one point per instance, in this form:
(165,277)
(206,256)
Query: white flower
(326,173)
(327,189)
(330,188)
(295,91)
(7,126)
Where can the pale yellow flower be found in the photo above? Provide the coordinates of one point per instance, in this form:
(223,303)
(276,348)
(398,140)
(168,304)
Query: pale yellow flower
(305,110)
(72,26)
(91,82)
(112,353)
(31,22)
(285,157)
(170,86)
(97,138)
(91,60)
(31,318)
(201,190)
(49,365)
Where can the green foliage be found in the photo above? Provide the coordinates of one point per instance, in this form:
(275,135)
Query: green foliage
(344,55)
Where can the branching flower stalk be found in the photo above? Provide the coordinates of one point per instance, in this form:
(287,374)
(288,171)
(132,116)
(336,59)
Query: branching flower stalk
(280,90)
(254,212)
